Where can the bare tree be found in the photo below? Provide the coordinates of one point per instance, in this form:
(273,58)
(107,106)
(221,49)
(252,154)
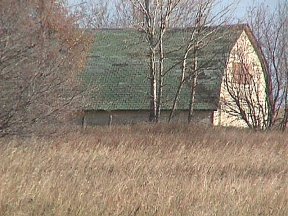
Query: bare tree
(93,14)
(199,36)
(41,54)
(270,28)
(245,84)
(258,96)
(155,19)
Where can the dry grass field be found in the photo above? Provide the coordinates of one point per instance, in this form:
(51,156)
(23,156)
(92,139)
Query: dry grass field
(146,170)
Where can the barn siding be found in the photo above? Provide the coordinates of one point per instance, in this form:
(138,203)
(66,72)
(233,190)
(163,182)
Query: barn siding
(94,117)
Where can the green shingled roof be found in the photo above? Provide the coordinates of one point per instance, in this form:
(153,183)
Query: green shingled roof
(118,69)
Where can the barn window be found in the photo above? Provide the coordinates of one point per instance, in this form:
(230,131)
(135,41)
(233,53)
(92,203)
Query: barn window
(241,73)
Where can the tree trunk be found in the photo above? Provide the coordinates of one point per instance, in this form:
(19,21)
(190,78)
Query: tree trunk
(175,100)
(194,77)
(153,87)
(160,78)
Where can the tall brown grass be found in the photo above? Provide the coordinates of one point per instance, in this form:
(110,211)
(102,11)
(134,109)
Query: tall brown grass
(146,170)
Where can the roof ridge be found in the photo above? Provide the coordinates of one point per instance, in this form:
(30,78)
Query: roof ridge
(238,26)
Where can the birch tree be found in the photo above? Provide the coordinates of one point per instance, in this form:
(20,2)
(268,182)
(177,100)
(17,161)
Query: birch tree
(156,18)
(200,36)
(153,17)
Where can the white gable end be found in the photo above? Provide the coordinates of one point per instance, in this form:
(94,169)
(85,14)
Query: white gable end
(242,95)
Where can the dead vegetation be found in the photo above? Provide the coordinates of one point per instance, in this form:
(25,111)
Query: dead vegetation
(146,170)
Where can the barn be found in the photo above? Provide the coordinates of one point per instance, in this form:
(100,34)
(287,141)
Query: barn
(118,82)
